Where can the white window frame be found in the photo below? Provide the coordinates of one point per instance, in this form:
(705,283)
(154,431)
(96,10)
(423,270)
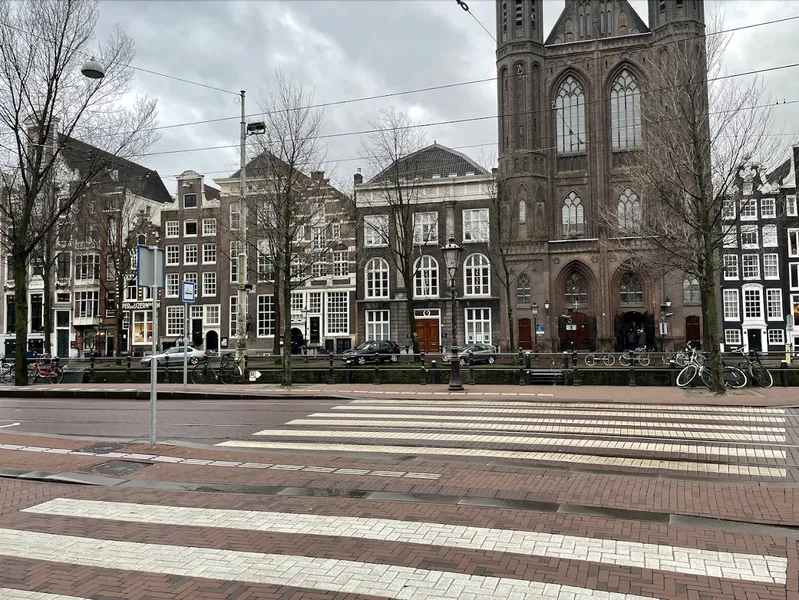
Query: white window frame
(196,228)
(477,275)
(425,228)
(793,276)
(235,247)
(209,227)
(173,255)
(86,304)
(471,321)
(750,230)
(757,289)
(315,303)
(318,238)
(235,216)
(189,277)
(188,251)
(728,210)
(174,320)
(771,266)
(376,279)
(730,267)
(143,318)
(425,277)
(750,271)
(209,253)
(775,337)
(378,325)
(338,320)
(341,263)
(793,243)
(774,304)
(731,340)
(730,299)
(748,211)
(172,285)
(375,231)
(475,225)
(265,321)
(209,284)
(790,206)
(731,238)
(172,229)
(769,236)
(768,208)
(335,230)
(212,316)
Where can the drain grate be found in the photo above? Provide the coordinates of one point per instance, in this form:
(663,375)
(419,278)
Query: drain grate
(118,467)
(103,447)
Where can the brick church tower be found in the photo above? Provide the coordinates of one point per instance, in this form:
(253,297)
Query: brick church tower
(570,125)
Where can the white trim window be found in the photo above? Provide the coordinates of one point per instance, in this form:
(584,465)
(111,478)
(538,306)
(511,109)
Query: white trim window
(315,303)
(233,324)
(731,238)
(173,255)
(318,238)
(209,283)
(172,229)
(87,267)
(749,237)
(478,325)
(341,263)
(771,266)
(190,254)
(212,315)
(477,276)
(190,228)
(793,276)
(753,303)
(376,273)
(749,210)
(209,227)
(142,327)
(318,269)
(235,217)
(730,267)
(475,225)
(732,337)
(189,200)
(731,309)
(375,231)
(377,325)
(768,208)
(425,228)
(209,254)
(189,277)
(174,320)
(338,313)
(235,248)
(750,266)
(728,211)
(790,206)
(769,236)
(569,107)
(266,315)
(774,304)
(425,278)
(776,337)
(172,285)
(793,243)
(335,231)
(87,304)
(691,294)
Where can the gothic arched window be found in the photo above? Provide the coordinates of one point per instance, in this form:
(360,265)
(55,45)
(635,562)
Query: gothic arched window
(690,291)
(572,215)
(376,278)
(632,290)
(425,280)
(576,291)
(625,112)
(477,276)
(570,117)
(629,211)
(523,291)
(522,212)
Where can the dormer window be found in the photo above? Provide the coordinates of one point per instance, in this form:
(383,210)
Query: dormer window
(189,200)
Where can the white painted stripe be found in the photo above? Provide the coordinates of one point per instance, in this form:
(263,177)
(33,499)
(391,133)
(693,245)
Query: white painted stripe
(10,594)
(344,576)
(568,413)
(626,406)
(617,428)
(692,561)
(586,459)
(9,425)
(523,440)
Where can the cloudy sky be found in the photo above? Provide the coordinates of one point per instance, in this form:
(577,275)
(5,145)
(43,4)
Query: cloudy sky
(342,50)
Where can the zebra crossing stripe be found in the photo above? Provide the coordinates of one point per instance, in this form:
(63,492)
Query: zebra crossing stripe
(12,594)
(342,576)
(733,565)
(570,405)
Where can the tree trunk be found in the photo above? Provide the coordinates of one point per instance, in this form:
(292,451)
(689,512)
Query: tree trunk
(278,321)
(47,308)
(710,323)
(511,337)
(286,379)
(21,318)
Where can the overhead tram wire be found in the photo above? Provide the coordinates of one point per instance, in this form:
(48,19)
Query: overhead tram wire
(465,7)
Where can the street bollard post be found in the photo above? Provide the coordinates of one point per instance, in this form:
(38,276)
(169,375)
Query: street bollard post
(672,373)
(166,368)
(347,372)
(471,368)
(377,370)
(92,378)
(332,375)
(566,359)
(127,370)
(632,369)
(575,362)
(422,370)
(522,380)
(527,374)
(433,374)
(784,373)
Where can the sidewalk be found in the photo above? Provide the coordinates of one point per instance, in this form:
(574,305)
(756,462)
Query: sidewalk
(775,396)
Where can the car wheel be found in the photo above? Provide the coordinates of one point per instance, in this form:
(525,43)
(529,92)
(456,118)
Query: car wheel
(361,360)
(194,360)
(491,360)
(394,358)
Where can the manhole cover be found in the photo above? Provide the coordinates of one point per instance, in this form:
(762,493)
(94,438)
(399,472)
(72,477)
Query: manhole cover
(102,447)
(118,467)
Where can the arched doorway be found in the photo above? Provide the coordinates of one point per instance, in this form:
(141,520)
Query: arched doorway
(693,332)
(525,334)
(575,332)
(212,341)
(627,324)
(297,340)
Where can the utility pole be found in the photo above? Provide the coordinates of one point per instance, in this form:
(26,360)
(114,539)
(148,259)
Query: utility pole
(241,266)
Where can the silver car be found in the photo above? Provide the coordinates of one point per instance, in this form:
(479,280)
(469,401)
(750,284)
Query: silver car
(176,356)
(477,354)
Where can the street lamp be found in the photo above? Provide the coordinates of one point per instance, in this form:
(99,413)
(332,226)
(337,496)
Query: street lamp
(92,69)
(452,257)
(534,310)
(664,327)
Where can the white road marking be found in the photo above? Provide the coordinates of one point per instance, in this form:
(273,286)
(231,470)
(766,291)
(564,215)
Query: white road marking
(571,405)
(9,425)
(523,440)
(343,576)
(587,459)
(616,428)
(676,559)
(11,594)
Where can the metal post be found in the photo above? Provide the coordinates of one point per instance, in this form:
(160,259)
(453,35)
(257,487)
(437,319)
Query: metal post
(185,346)
(241,260)
(454,361)
(153,361)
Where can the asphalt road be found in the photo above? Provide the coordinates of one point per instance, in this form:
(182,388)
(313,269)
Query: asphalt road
(199,421)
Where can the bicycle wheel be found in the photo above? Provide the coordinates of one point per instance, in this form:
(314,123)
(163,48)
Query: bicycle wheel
(56,375)
(734,377)
(230,374)
(624,359)
(609,360)
(32,376)
(705,375)
(198,374)
(686,376)
(644,360)
(590,360)
(760,375)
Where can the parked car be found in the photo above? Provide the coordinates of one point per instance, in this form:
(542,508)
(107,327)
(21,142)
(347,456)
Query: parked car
(478,353)
(176,356)
(373,351)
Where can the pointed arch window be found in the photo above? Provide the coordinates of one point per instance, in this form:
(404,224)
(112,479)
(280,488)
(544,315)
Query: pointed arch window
(629,212)
(522,212)
(570,117)
(477,276)
(523,291)
(425,279)
(572,215)
(576,291)
(632,290)
(376,278)
(690,291)
(625,111)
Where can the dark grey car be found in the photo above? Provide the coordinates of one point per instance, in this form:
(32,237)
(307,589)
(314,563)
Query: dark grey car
(477,354)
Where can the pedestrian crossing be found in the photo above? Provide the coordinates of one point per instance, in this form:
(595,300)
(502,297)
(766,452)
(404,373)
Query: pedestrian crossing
(694,440)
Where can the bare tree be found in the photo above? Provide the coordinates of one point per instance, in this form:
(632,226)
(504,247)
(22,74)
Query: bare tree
(697,131)
(46,105)
(391,153)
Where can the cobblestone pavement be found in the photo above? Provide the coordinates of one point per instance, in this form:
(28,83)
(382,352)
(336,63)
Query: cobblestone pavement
(407,498)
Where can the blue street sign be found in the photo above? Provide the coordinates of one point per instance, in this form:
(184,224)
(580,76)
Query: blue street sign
(188,291)
(539,331)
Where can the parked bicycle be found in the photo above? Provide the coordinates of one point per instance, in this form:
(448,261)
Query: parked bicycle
(679,357)
(606,358)
(229,372)
(639,355)
(697,366)
(757,372)
(45,367)
(6,371)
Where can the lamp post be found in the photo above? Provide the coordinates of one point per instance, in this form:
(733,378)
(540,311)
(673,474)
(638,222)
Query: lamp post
(452,257)
(664,326)
(534,310)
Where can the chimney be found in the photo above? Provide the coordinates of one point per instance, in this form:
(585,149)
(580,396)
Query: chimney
(494,171)
(358,178)
(317,176)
